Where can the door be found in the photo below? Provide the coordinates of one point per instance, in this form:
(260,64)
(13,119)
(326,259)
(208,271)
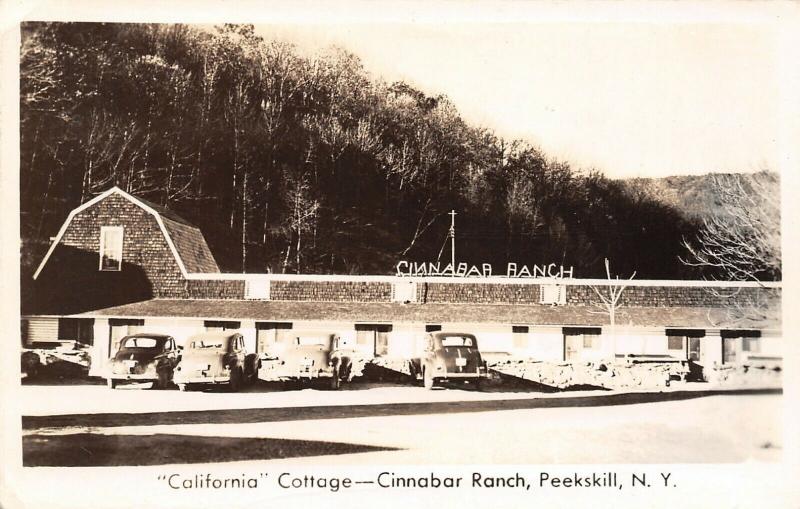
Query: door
(729,353)
(117,333)
(119,328)
(373,338)
(573,343)
(693,349)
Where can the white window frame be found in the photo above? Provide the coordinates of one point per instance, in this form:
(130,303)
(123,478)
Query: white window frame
(257,288)
(404,291)
(103,230)
(553,294)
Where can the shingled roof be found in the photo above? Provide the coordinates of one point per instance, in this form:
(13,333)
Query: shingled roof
(581,316)
(187,241)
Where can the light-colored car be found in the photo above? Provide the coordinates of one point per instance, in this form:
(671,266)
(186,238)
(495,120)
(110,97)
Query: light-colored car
(216,358)
(308,356)
(450,356)
(144,358)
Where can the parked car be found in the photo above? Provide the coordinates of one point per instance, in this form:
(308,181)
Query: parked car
(144,358)
(450,356)
(312,356)
(216,358)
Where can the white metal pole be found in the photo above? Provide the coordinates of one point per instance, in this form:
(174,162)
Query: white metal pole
(453,240)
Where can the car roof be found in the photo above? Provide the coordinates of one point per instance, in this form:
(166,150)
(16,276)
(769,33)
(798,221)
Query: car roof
(147,335)
(440,334)
(215,334)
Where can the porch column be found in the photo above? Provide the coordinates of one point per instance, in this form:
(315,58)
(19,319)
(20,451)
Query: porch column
(711,348)
(248,330)
(99,350)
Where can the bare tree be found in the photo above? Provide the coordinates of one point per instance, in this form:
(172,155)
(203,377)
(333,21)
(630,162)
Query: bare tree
(742,242)
(609,299)
(302,217)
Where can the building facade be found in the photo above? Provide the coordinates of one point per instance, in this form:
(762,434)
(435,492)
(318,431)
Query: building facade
(121,265)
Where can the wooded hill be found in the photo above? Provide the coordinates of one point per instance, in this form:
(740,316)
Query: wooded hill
(293,163)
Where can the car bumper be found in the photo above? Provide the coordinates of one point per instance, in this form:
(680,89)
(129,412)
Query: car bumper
(200,379)
(449,375)
(144,377)
(282,373)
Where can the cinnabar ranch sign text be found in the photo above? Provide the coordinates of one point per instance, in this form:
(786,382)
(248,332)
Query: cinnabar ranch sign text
(463,269)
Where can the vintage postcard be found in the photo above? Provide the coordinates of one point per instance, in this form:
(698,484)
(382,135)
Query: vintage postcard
(453,254)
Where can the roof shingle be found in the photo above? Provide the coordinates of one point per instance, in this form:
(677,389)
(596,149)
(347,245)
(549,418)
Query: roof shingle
(686,317)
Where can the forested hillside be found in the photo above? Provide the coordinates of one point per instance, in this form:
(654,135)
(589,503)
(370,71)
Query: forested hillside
(293,163)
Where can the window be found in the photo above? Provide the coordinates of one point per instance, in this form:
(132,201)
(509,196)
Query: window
(313,340)
(404,291)
(216,325)
(684,342)
(76,329)
(552,294)
(580,338)
(675,342)
(256,288)
(140,342)
(270,333)
(730,339)
(457,341)
(376,334)
(433,328)
(751,345)
(111,247)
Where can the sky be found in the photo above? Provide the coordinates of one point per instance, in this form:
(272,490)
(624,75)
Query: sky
(629,99)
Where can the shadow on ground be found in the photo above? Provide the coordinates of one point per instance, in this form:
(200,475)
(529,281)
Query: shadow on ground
(252,415)
(94,450)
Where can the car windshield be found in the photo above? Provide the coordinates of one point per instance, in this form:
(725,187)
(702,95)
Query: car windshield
(311,340)
(458,341)
(207,344)
(139,342)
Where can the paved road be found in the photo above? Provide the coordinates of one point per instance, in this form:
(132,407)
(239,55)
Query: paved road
(298,413)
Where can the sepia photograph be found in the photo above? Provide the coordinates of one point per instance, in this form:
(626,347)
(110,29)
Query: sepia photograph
(265,245)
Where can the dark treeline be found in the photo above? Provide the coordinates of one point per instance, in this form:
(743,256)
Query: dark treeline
(292,163)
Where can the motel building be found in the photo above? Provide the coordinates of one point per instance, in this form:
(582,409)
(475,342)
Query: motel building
(121,265)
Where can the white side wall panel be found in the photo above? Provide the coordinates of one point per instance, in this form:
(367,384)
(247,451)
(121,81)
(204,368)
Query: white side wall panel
(42,329)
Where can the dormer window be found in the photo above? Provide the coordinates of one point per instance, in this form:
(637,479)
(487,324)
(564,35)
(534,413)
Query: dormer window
(111,247)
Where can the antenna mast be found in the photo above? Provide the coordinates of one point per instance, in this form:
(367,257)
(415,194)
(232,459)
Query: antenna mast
(453,240)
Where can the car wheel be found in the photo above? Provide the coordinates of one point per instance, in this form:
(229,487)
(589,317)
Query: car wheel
(111,383)
(336,381)
(427,378)
(478,384)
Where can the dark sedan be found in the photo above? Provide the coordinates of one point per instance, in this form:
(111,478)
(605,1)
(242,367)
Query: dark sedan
(450,356)
(144,358)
